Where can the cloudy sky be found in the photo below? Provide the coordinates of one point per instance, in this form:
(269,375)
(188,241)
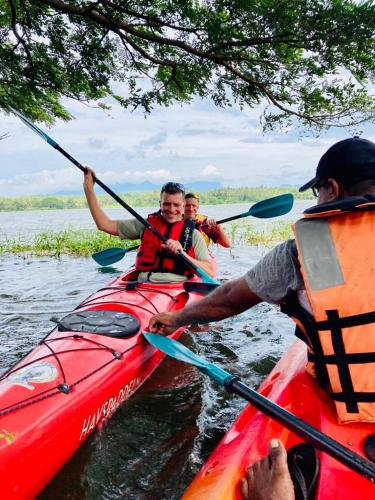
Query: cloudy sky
(182,143)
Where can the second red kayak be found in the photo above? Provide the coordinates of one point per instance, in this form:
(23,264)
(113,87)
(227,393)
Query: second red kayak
(290,386)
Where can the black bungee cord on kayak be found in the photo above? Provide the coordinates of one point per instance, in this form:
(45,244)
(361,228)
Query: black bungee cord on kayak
(69,323)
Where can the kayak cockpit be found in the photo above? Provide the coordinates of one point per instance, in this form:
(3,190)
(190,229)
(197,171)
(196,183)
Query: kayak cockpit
(105,322)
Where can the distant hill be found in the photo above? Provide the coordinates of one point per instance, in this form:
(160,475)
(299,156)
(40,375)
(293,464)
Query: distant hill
(200,186)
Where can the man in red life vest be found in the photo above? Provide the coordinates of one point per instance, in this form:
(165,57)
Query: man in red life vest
(156,261)
(210,229)
(324,280)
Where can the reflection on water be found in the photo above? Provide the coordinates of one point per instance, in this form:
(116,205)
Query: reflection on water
(156,442)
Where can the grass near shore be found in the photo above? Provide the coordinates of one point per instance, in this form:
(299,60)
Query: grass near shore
(83,243)
(76,242)
(246,233)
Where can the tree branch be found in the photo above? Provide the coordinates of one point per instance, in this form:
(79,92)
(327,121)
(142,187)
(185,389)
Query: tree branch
(18,36)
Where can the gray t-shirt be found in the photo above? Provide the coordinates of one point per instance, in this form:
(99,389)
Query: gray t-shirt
(277,274)
(132,229)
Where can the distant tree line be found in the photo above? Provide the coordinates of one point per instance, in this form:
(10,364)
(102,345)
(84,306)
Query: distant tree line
(145,199)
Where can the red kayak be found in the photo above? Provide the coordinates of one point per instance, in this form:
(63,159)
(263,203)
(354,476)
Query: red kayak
(290,386)
(76,378)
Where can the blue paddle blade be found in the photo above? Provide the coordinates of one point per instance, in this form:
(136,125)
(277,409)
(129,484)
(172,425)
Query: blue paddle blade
(265,209)
(109,256)
(32,125)
(273,207)
(304,430)
(178,351)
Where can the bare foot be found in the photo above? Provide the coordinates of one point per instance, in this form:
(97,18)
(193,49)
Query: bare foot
(269,478)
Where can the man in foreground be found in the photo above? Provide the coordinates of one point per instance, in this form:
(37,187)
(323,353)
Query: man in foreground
(156,261)
(210,229)
(323,279)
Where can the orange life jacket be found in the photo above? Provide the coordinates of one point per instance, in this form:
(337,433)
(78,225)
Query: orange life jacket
(153,257)
(335,244)
(209,234)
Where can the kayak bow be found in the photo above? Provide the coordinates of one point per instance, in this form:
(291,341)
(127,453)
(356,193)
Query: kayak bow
(76,378)
(291,387)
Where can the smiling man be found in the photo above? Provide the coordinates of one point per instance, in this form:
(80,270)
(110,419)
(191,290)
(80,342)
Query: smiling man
(156,261)
(210,229)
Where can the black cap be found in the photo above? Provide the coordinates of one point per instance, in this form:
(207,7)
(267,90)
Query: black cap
(349,161)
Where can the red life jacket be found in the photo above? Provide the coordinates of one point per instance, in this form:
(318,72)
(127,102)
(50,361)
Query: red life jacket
(209,234)
(153,257)
(335,243)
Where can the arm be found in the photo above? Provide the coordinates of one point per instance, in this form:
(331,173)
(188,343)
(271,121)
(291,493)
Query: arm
(223,238)
(229,299)
(102,221)
(218,235)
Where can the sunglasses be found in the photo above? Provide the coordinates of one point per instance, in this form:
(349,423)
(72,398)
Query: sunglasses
(319,185)
(168,186)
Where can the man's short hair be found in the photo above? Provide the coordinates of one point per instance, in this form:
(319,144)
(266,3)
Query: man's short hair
(191,195)
(173,188)
(349,162)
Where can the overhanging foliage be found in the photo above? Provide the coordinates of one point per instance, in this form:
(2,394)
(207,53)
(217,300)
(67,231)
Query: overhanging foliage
(310,59)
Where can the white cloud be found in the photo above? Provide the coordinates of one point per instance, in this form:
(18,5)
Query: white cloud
(172,143)
(44,181)
(136,176)
(210,171)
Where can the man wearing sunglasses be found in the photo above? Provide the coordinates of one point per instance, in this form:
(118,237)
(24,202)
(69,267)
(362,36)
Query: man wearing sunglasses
(323,275)
(156,261)
(324,280)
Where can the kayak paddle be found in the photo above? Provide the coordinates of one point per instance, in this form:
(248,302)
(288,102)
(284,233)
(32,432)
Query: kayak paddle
(197,270)
(265,209)
(111,255)
(204,288)
(233,384)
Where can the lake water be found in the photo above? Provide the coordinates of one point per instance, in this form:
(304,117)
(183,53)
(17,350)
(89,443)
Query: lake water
(157,441)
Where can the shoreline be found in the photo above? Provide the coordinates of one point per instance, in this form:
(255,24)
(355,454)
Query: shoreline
(222,196)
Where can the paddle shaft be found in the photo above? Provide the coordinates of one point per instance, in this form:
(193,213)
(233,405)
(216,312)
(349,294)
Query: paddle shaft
(265,209)
(135,214)
(234,217)
(303,429)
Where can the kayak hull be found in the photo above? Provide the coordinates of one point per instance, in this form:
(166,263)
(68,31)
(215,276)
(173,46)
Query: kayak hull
(291,387)
(72,382)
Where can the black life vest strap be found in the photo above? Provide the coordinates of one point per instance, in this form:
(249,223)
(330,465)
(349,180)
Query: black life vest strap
(340,358)
(349,204)
(310,336)
(335,321)
(358,397)
(336,359)
(343,367)
(186,240)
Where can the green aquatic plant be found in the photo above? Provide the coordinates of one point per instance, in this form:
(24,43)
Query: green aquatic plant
(271,233)
(85,242)
(76,242)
